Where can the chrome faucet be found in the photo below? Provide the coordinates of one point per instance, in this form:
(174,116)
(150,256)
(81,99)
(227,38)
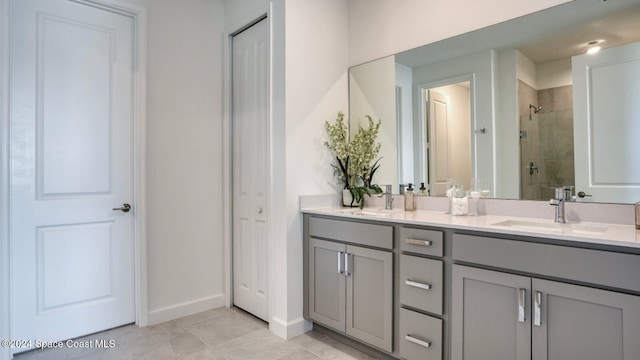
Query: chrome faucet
(388,203)
(558,202)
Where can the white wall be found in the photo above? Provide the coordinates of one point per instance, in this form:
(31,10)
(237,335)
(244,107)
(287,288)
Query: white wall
(404,80)
(184,156)
(378,28)
(512,65)
(238,13)
(317,82)
(554,74)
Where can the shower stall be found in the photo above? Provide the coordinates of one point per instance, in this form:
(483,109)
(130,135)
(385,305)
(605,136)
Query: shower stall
(546,140)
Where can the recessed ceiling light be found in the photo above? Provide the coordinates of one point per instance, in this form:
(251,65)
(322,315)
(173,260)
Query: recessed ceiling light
(593,50)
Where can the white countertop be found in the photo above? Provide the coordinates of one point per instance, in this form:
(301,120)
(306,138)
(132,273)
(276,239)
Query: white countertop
(585,232)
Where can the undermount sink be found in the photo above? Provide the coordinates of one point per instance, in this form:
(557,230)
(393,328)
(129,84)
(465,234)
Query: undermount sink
(551,227)
(370,212)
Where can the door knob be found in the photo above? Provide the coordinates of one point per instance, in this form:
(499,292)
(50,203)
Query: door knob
(125,208)
(582,194)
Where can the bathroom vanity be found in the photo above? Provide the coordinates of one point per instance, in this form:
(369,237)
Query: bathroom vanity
(428,285)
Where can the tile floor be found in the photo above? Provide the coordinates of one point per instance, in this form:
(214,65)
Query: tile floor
(219,334)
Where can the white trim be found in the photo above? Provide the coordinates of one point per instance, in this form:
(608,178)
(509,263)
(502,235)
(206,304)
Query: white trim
(5,259)
(186,308)
(291,329)
(139,15)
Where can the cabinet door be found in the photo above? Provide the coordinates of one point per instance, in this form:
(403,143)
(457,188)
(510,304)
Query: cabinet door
(581,323)
(370,296)
(327,283)
(490,316)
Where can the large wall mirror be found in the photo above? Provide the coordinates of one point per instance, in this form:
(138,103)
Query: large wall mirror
(515,109)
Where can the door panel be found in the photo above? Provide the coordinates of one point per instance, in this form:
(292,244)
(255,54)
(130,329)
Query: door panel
(250,120)
(73,121)
(438,142)
(598,324)
(370,296)
(486,319)
(327,283)
(71,163)
(606,111)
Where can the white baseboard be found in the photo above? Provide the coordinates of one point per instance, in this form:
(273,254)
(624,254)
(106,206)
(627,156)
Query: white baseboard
(291,329)
(186,308)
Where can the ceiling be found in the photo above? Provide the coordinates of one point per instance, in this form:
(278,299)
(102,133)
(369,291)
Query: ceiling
(548,35)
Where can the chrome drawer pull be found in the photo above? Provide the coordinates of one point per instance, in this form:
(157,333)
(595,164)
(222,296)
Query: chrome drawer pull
(340,271)
(426,243)
(522,294)
(418,284)
(537,309)
(347,271)
(416,341)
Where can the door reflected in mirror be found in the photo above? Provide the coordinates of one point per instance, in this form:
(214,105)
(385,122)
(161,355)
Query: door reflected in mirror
(447,150)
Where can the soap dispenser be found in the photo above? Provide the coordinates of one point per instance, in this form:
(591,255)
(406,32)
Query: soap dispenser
(423,190)
(409,199)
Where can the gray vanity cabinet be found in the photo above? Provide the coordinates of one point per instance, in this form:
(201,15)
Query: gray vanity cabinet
(504,316)
(351,290)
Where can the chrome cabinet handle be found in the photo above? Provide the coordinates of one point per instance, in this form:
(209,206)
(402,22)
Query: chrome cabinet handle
(417,284)
(346,264)
(426,243)
(522,293)
(417,341)
(125,208)
(340,271)
(537,309)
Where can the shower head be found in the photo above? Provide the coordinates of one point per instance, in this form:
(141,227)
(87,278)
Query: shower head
(536,109)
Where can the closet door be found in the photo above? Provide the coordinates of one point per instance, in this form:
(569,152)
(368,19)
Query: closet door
(250,127)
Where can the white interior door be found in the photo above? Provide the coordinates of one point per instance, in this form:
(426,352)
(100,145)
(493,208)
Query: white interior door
(250,118)
(71,163)
(606,127)
(438,138)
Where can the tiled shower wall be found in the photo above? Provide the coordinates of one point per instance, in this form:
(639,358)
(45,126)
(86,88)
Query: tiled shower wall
(546,139)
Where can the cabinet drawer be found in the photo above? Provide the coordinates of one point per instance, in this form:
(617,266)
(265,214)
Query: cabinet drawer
(421,241)
(358,233)
(605,268)
(421,283)
(420,336)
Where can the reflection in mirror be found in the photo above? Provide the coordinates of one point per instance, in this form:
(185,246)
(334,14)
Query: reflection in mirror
(446,150)
(542,113)
(372,92)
